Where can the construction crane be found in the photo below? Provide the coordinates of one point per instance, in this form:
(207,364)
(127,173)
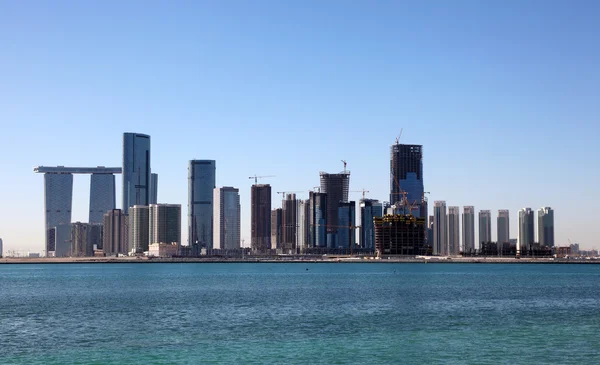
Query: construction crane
(363,191)
(286,192)
(345,163)
(399,136)
(256,177)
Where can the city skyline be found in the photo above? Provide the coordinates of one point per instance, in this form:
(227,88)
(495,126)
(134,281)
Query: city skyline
(232,86)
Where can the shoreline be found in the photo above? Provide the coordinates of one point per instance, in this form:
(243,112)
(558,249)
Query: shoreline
(197,260)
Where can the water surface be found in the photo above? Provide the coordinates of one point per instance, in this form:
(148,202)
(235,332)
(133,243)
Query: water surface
(299,313)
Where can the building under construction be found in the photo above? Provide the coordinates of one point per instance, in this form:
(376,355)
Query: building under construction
(336,188)
(400,234)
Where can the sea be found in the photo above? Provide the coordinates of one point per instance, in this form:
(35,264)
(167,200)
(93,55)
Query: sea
(299,313)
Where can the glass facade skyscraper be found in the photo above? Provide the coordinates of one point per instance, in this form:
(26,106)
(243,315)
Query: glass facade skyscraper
(369,209)
(546,226)
(136,170)
(468,224)
(440,231)
(526,233)
(164,223)
(260,217)
(102,196)
(227,214)
(503,227)
(406,175)
(201,183)
(485,227)
(58,196)
(454,230)
(346,236)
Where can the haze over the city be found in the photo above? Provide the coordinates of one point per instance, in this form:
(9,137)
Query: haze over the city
(502,96)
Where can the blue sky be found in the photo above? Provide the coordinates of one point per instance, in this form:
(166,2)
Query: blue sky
(502,94)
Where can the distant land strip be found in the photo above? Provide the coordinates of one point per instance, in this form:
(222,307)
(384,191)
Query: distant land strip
(328,259)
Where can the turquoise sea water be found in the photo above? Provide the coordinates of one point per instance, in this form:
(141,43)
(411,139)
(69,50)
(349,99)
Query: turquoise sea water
(299,313)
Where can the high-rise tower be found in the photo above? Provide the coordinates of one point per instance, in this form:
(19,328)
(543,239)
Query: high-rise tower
(440,231)
(336,186)
(546,226)
(369,209)
(201,183)
(136,170)
(260,217)
(406,175)
(226,218)
(468,225)
(526,233)
(454,230)
(485,227)
(165,223)
(503,227)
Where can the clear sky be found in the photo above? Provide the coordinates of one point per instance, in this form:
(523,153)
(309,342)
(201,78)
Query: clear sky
(504,96)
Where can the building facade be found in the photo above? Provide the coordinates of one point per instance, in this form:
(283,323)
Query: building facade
(289,223)
(400,234)
(58,196)
(139,228)
(201,185)
(84,237)
(346,225)
(526,238)
(406,176)
(303,231)
(276,228)
(485,227)
(136,170)
(102,196)
(369,209)
(227,215)
(115,228)
(318,219)
(153,188)
(260,217)
(546,226)
(453,230)
(165,223)
(503,227)
(468,238)
(440,229)
(337,187)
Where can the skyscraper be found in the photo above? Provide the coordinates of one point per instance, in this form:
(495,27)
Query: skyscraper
(289,222)
(165,223)
(369,209)
(526,233)
(346,225)
(58,195)
(115,238)
(468,225)
(260,217)
(485,227)
(318,219)
(440,231)
(139,228)
(303,232)
(336,186)
(276,231)
(201,183)
(153,188)
(1,255)
(62,234)
(102,196)
(226,217)
(406,175)
(546,226)
(503,227)
(454,230)
(136,170)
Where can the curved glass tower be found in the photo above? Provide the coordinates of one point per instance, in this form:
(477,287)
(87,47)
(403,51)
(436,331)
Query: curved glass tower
(136,170)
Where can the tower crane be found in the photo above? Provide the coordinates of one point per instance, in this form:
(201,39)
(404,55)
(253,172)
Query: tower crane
(363,191)
(399,136)
(345,163)
(256,177)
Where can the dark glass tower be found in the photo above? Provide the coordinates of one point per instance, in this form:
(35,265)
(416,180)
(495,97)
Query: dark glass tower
(136,170)
(201,183)
(406,175)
